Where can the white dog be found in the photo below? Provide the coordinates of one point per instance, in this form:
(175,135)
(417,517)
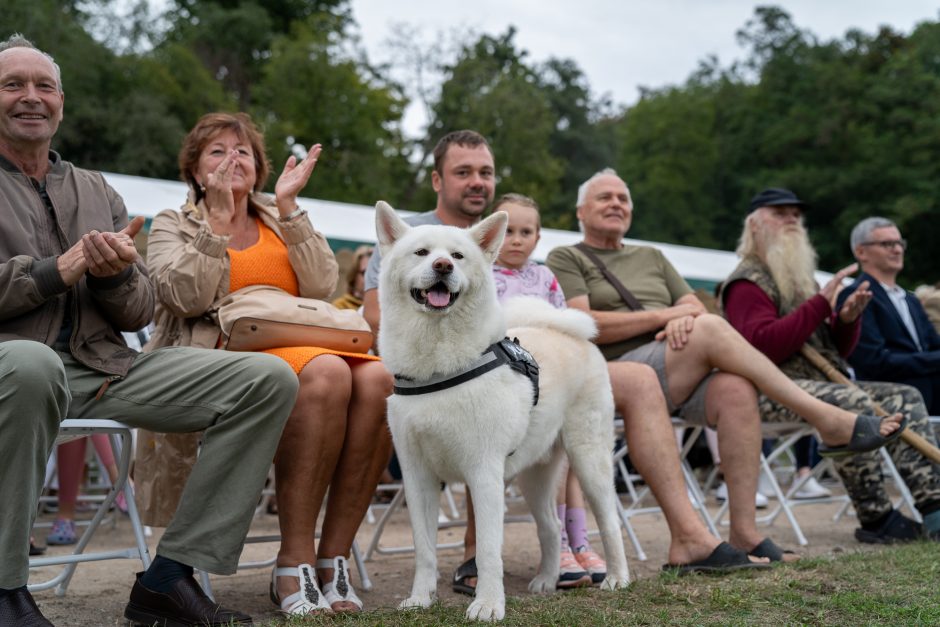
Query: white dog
(440,320)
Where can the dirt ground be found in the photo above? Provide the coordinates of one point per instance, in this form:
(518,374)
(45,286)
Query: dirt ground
(99,590)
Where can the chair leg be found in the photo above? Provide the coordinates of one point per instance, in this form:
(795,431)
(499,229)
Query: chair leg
(906,497)
(364,579)
(783,503)
(375,547)
(698,499)
(205,583)
(121,436)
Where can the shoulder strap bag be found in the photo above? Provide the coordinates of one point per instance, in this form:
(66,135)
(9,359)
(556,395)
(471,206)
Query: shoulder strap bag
(625,294)
(259,317)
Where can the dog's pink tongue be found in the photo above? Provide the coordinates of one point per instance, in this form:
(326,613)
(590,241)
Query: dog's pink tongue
(438,298)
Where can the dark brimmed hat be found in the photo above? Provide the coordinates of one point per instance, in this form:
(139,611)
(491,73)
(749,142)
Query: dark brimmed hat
(775,197)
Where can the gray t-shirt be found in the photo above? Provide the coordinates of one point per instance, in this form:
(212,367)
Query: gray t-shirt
(375,261)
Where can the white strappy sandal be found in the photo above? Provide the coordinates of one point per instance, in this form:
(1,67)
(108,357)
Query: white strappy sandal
(339,589)
(308,599)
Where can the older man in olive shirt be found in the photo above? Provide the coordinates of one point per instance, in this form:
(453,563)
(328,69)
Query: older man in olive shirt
(706,370)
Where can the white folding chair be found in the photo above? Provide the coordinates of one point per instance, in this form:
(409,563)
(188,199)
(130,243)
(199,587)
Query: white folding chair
(453,520)
(635,506)
(786,435)
(121,437)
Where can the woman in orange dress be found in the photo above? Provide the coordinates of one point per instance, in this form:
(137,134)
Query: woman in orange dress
(228,236)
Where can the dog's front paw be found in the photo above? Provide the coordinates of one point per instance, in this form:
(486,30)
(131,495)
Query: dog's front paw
(543,584)
(416,603)
(482,610)
(612,582)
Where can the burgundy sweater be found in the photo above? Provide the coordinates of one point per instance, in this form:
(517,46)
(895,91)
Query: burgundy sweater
(749,310)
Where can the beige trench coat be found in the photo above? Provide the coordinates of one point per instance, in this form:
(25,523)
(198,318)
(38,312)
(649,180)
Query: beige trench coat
(189,268)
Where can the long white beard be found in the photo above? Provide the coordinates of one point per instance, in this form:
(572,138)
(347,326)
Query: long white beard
(792,263)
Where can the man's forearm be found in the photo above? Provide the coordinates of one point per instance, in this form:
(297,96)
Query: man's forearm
(615,326)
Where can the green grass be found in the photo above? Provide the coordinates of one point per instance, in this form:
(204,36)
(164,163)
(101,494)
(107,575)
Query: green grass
(893,586)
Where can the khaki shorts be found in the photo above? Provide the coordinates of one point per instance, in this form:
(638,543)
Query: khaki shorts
(653,354)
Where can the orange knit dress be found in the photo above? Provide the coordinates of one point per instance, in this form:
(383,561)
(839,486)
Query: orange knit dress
(266,263)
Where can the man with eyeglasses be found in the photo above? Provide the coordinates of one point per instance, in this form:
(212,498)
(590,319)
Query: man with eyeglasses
(773,300)
(898,342)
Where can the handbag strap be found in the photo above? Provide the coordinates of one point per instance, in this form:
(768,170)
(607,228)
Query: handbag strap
(625,294)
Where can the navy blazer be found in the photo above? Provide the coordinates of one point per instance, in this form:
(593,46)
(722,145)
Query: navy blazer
(886,351)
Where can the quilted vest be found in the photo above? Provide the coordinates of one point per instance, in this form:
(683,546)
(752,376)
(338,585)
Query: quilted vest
(797,366)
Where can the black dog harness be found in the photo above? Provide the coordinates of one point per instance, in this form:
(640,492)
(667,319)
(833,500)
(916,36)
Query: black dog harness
(504,352)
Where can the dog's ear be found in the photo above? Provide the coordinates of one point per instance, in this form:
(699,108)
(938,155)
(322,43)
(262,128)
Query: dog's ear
(388,226)
(489,234)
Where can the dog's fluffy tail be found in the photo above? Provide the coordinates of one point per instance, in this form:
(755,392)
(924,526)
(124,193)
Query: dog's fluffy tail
(529,311)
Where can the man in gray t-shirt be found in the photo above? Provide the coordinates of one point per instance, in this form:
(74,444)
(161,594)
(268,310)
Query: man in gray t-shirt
(464,178)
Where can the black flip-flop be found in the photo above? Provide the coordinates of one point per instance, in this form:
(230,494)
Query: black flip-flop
(865,437)
(467,570)
(724,559)
(769,549)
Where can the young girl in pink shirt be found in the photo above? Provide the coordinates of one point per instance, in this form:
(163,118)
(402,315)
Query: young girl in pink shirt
(517,275)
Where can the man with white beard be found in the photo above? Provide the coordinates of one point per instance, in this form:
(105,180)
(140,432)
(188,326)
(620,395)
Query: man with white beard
(773,300)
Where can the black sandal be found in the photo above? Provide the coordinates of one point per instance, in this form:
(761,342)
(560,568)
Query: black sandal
(866,436)
(465,571)
(35,550)
(769,549)
(724,559)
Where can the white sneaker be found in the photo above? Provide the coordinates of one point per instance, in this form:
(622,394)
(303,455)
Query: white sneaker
(721,493)
(812,490)
(764,487)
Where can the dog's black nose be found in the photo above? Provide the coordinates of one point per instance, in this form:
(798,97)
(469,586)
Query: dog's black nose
(442,265)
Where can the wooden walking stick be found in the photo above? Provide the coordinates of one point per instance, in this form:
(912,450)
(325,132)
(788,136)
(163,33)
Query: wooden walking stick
(914,440)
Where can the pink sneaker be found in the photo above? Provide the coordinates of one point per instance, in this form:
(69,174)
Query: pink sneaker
(63,533)
(570,574)
(592,563)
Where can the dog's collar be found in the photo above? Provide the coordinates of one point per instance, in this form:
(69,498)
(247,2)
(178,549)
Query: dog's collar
(504,352)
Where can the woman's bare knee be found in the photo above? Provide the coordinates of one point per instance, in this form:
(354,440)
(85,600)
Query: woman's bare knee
(373,378)
(326,378)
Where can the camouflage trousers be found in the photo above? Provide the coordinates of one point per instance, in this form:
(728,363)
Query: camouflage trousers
(862,474)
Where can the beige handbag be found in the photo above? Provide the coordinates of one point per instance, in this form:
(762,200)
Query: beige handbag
(260,317)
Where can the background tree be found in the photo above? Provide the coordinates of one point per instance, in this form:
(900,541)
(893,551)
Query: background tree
(343,105)
(539,119)
(233,38)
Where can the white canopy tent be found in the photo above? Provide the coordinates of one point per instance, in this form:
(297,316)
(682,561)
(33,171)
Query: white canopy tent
(347,225)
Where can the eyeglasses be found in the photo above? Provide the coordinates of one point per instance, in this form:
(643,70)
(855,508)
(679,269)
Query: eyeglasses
(888,244)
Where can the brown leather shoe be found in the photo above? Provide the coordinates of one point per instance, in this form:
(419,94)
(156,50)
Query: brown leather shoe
(18,608)
(185,606)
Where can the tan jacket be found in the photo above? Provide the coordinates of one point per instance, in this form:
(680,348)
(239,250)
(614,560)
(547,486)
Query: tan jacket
(33,297)
(190,270)
(931,303)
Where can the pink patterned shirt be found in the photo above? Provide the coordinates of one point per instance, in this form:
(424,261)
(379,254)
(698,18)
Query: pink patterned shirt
(532,280)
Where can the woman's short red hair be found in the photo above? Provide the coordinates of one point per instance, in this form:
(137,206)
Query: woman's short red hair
(206,129)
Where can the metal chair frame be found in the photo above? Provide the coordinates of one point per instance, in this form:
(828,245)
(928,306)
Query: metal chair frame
(121,437)
(635,506)
(787,436)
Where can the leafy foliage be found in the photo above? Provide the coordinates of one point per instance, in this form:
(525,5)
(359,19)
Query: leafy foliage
(849,125)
